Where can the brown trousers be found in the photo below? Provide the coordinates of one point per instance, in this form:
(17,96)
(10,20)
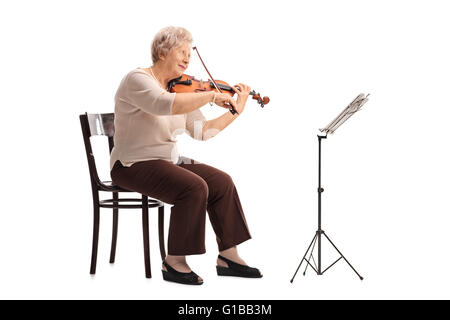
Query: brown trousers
(192,188)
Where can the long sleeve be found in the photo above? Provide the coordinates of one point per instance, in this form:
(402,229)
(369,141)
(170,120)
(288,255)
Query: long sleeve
(144,93)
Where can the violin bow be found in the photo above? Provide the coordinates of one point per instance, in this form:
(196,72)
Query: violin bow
(232,110)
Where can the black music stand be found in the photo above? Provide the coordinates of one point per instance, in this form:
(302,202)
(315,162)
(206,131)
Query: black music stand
(352,108)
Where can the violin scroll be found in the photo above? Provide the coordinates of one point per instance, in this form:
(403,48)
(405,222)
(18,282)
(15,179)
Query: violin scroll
(262,102)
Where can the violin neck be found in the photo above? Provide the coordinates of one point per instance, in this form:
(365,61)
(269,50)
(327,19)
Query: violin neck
(222,87)
(227,88)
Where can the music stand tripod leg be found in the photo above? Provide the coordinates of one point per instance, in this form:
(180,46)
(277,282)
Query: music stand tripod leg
(307,250)
(311,255)
(342,256)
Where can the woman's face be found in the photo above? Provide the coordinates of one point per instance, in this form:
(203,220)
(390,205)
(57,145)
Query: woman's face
(177,60)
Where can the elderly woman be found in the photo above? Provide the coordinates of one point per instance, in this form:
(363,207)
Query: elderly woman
(145,158)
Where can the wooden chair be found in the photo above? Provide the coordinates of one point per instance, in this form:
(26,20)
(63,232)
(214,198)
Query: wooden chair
(103,124)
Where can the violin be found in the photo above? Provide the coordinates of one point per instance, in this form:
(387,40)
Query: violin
(187,83)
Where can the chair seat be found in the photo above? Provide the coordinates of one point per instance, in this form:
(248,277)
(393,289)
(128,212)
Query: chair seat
(110,186)
(111,203)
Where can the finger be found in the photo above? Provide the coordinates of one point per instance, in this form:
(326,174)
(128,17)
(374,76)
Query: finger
(224,104)
(236,89)
(225,101)
(246,87)
(232,103)
(242,87)
(222,98)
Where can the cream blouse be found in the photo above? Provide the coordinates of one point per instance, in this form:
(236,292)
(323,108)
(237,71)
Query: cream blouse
(145,128)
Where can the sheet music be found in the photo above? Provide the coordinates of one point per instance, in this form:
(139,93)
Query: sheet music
(352,108)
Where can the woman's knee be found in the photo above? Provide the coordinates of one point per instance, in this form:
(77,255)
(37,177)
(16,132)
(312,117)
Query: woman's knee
(225,180)
(199,191)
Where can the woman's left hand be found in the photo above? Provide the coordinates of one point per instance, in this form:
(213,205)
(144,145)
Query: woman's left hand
(242,91)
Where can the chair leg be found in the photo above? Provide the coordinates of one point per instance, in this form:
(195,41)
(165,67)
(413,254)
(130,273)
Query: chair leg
(95,236)
(161,232)
(148,273)
(112,257)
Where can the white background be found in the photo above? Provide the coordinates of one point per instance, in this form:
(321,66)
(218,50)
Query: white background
(385,171)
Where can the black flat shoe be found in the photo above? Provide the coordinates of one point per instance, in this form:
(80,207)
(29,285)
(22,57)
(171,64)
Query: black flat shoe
(237,270)
(180,277)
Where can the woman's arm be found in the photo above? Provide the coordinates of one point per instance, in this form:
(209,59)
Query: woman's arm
(214,126)
(187,102)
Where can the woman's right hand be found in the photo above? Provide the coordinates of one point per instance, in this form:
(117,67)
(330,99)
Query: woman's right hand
(224,100)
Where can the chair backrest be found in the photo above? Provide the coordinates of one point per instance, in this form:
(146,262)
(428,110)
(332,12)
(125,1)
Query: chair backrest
(101,124)
(92,125)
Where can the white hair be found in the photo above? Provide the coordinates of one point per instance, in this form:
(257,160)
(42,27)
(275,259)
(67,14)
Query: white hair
(168,38)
